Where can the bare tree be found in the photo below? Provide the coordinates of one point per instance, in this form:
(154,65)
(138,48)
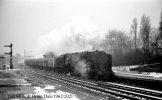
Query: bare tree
(145,29)
(116,41)
(160,28)
(134,31)
(155,36)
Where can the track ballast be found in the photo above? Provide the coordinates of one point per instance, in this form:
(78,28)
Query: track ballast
(106,90)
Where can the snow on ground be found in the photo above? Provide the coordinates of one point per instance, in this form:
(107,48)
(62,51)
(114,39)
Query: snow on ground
(153,74)
(14,85)
(56,95)
(123,68)
(126,69)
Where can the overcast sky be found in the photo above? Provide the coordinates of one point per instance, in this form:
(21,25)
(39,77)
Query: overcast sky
(23,22)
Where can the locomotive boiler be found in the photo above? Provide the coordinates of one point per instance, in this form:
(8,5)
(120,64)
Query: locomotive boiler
(92,65)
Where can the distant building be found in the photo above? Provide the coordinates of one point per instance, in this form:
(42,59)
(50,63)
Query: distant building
(5,61)
(1,62)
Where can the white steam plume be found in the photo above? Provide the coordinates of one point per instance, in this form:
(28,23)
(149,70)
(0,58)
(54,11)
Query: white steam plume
(80,35)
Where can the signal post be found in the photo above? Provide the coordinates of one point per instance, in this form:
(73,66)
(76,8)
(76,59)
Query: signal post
(10,53)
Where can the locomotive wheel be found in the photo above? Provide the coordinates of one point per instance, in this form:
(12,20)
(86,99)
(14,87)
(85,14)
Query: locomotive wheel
(96,77)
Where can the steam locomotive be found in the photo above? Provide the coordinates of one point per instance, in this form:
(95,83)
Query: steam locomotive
(95,65)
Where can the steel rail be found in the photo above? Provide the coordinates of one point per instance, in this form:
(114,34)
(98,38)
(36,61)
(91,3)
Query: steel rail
(108,89)
(115,85)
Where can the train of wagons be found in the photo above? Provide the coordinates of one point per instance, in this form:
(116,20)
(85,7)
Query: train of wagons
(96,65)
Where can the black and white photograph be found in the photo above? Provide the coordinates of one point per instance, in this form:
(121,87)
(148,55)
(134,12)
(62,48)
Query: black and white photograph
(80,49)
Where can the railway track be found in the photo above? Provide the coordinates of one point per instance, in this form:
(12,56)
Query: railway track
(100,88)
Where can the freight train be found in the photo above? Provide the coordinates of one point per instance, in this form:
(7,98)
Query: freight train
(95,65)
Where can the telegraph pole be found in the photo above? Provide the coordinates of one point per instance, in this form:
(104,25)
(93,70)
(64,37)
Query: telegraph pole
(28,54)
(24,54)
(10,53)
